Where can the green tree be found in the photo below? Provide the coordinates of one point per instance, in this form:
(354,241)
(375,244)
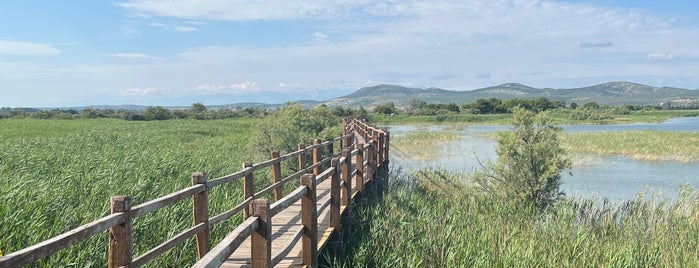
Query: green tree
(529,164)
(591,105)
(386,108)
(198,111)
(156,113)
(291,125)
(415,105)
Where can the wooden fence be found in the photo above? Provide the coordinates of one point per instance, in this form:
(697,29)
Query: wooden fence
(364,150)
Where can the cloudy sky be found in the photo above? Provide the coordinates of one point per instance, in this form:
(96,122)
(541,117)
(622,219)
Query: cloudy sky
(163,52)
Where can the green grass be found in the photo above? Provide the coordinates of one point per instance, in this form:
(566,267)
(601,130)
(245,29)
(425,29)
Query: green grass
(56,175)
(642,145)
(437,219)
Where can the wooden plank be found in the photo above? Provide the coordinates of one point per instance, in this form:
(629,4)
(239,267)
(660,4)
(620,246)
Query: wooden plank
(226,215)
(287,201)
(167,200)
(218,255)
(34,253)
(229,178)
(167,245)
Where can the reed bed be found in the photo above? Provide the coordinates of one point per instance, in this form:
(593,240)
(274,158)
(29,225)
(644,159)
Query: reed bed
(641,145)
(434,218)
(57,175)
(423,145)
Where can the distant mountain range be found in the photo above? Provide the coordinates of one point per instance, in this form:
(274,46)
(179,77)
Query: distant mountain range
(612,93)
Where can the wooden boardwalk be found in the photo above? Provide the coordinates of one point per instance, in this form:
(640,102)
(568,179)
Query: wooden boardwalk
(285,225)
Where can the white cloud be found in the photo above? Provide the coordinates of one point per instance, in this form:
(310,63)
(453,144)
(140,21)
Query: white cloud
(244,87)
(448,44)
(134,56)
(185,29)
(320,37)
(287,86)
(236,10)
(597,43)
(157,25)
(660,56)
(27,48)
(142,92)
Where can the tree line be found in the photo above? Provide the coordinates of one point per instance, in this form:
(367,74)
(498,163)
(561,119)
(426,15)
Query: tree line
(586,111)
(499,106)
(196,111)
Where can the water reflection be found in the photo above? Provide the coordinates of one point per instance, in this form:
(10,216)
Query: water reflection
(613,177)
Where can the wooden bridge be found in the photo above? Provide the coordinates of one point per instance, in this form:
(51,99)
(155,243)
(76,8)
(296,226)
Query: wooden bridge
(288,232)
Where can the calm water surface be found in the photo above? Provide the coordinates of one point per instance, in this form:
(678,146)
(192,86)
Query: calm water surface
(613,177)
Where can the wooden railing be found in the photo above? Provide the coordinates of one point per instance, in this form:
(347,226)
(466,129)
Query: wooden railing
(370,153)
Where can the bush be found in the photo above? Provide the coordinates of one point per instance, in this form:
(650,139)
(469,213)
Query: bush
(530,160)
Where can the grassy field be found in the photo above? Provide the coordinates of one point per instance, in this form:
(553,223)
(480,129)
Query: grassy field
(436,219)
(56,175)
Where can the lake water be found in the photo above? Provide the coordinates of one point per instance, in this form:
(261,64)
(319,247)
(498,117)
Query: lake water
(613,177)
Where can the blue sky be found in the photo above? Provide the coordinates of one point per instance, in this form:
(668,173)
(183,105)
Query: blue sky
(162,52)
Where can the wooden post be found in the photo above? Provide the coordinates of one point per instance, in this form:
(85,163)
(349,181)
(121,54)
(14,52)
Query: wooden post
(344,126)
(331,149)
(342,143)
(277,176)
(371,161)
(347,189)
(316,157)
(120,239)
(335,194)
(248,189)
(309,219)
(380,147)
(359,163)
(200,205)
(348,142)
(388,145)
(302,157)
(261,239)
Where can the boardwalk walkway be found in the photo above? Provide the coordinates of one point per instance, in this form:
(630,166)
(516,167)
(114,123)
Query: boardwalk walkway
(285,225)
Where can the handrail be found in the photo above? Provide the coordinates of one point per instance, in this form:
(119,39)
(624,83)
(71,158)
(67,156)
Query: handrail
(287,201)
(53,245)
(123,214)
(230,243)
